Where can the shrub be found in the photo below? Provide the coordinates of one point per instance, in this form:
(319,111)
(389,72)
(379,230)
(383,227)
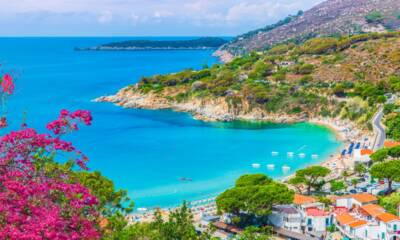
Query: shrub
(374,17)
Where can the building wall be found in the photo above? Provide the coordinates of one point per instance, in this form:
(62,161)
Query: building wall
(344,202)
(290,222)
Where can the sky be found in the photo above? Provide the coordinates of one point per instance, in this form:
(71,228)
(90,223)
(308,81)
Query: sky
(142,17)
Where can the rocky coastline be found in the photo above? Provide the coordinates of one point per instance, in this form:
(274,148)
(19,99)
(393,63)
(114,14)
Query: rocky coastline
(224,56)
(209,109)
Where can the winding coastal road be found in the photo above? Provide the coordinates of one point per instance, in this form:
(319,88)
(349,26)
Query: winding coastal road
(380,134)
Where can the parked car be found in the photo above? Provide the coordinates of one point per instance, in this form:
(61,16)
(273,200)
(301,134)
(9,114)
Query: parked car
(353,191)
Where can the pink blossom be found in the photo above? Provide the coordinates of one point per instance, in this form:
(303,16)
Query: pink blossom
(7,84)
(35,206)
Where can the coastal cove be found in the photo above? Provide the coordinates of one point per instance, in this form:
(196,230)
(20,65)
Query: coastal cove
(147,152)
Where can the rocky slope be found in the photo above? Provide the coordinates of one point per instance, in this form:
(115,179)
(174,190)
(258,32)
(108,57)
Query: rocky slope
(328,18)
(206,109)
(344,77)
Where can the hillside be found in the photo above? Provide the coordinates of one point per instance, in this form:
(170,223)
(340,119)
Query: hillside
(331,77)
(332,17)
(199,43)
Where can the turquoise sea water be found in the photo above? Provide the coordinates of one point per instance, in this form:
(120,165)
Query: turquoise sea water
(143,151)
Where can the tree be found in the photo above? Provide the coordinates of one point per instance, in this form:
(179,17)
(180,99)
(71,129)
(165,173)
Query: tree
(345,174)
(179,225)
(380,155)
(354,182)
(298,183)
(374,17)
(337,186)
(390,171)
(312,177)
(390,202)
(360,169)
(393,126)
(256,233)
(255,195)
(394,152)
(110,199)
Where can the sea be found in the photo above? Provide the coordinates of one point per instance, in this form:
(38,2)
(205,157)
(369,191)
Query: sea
(160,157)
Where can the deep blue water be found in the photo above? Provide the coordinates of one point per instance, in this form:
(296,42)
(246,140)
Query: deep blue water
(146,152)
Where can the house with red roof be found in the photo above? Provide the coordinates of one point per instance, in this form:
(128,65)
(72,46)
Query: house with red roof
(355,200)
(315,218)
(357,216)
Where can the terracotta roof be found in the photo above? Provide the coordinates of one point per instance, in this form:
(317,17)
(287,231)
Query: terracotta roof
(362,197)
(340,210)
(387,217)
(366,152)
(390,144)
(357,223)
(301,199)
(372,210)
(316,212)
(345,219)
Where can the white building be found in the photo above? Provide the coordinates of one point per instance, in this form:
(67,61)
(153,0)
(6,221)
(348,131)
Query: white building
(362,155)
(365,220)
(355,200)
(315,219)
(287,217)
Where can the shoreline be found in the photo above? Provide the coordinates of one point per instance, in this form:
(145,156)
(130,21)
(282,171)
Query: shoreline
(345,131)
(207,207)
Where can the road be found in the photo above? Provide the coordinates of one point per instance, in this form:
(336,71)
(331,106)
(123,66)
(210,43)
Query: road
(380,134)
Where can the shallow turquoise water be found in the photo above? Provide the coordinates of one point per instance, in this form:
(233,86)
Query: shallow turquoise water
(143,151)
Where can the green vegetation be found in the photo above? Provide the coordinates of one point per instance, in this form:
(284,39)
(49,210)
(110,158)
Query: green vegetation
(268,28)
(390,202)
(254,195)
(179,225)
(206,42)
(337,186)
(360,169)
(256,233)
(374,17)
(389,171)
(297,79)
(311,178)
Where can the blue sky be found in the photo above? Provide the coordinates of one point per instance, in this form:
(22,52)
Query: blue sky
(142,17)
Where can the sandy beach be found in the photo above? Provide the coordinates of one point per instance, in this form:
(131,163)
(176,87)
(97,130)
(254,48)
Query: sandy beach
(344,130)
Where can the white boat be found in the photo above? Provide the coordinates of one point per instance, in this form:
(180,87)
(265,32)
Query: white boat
(302,155)
(142,209)
(273,153)
(290,154)
(314,156)
(255,165)
(270,166)
(285,168)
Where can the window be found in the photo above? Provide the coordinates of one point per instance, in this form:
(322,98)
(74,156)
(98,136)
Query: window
(383,235)
(309,221)
(366,233)
(395,227)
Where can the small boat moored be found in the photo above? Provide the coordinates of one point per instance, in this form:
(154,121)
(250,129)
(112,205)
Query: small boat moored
(256,165)
(270,166)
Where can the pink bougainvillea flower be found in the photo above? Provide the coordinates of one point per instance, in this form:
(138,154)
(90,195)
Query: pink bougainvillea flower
(34,205)
(7,84)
